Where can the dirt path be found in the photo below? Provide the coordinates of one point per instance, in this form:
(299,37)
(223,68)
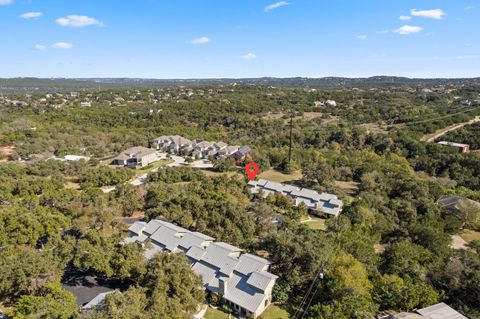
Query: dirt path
(433,136)
(458,243)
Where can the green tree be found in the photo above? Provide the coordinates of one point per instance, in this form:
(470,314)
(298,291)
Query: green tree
(128,198)
(51,301)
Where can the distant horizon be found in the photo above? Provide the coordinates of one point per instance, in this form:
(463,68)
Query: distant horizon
(237,78)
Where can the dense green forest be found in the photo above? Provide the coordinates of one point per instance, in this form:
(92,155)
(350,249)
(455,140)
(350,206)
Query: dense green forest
(389,251)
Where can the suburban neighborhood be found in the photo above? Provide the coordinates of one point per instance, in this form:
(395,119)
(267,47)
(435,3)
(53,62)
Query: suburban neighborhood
(254,159)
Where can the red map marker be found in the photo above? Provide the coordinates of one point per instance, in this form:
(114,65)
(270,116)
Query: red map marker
(252,170)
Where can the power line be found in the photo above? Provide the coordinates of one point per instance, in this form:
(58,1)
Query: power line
(297,312)
(311,299)
(309,296)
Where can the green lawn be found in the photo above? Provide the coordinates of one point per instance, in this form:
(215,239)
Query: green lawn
(275,312)
(148,168)
(276,176)
(315,223)
(215,314)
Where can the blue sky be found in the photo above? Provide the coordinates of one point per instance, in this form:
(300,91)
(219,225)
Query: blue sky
(239,38)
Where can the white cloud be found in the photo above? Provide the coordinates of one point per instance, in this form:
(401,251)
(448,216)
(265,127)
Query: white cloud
(249,56)
(362,37)
(77,21)
(431,14)
(276,5)
(201,40)
(31,15)
(382,31)
(469,8)
(408,29)
(405,18)
(63,45)
(465,57)
(5,2)
(40,47)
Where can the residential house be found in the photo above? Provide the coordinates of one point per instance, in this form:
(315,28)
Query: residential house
(322,202)
(465,102)
(440,311)
(241,153)
(462,148)
(171,144)
(96,302)
(454,203)
(241,279)
(137,156)
(331,103)
(227,151)
(202,149)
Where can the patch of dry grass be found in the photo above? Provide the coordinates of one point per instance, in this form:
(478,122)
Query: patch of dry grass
(277,176)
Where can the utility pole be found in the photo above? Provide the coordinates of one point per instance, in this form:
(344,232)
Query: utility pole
(290,148)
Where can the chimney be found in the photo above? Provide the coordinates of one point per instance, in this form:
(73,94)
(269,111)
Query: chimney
(222,286)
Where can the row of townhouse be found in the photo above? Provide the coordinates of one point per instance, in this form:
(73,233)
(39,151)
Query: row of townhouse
(241,279)
(199,149)
(323,202)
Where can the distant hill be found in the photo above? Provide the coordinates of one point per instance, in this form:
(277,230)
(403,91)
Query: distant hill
(62,84)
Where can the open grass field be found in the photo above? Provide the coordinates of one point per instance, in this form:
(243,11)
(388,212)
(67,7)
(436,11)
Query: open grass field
(160,163)
(315,223)
(211,173)
(276,176)
(469,235)
(275,312)
(215,314)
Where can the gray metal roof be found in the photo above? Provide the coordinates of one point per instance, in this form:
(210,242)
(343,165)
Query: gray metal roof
(245,275)
(96,301)
(441,311)
(227,247)
(453,144)
(152,226)
(243,294)
(196,252)
(277,187)
(167,237)
(220,258)
(327,203)
(173,227)
(137,227)
(307,193)
(207,273)
(194,239)
(251,263)
(260,280)
(135,152)
(327,197)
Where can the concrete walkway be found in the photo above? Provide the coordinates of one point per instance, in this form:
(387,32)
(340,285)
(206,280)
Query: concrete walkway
(201,313)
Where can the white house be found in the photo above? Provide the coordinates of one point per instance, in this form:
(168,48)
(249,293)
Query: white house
(137,156)
(241,279)
(323,202)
